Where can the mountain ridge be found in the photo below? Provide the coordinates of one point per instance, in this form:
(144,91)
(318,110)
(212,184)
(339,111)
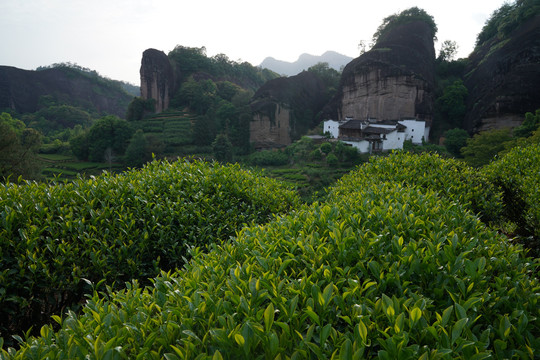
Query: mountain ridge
(334,59)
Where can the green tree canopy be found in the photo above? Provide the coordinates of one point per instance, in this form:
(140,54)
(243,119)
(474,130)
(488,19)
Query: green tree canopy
(137,150)
(483,147)
(109,134)
(406,16)
(450,107)
(507,18)
(454,140)
(18,149)
(222,148)
(138,106)
(448,50)
(529,125)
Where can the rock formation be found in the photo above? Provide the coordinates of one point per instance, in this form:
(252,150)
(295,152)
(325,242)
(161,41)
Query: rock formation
(25,90)
(395,79)
(284,109)
(503,78)
(157,78)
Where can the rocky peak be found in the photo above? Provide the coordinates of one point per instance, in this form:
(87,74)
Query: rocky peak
(502,79)
(395,79)
(157,78)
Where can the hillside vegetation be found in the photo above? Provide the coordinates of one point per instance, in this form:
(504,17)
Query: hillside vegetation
(387,266)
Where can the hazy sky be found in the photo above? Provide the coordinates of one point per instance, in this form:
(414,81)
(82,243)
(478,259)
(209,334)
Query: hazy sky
(109,36)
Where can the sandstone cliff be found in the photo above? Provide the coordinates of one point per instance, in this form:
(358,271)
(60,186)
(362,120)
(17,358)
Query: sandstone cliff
(157,78)
(503,78)
(25,90)
(284,109)
(395,79)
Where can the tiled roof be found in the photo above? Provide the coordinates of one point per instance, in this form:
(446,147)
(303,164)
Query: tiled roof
(352,124)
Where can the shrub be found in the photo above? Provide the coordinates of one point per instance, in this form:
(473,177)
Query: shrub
(268,158)
(118,227)
(332,160)
(452,179)
(517,174)
(315,154)
(382,270)
(326,148)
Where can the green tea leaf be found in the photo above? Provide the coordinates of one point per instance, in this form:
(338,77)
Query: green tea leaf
(458,328)
(269,317)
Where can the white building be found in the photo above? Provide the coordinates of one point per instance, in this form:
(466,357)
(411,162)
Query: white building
(371,135)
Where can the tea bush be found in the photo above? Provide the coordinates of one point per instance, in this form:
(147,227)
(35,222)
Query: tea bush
(452,179)
(116,228)
(383,269)
(517,173)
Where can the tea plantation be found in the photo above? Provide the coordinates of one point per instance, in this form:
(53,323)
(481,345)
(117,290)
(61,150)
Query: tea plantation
(400,261)
(55,239)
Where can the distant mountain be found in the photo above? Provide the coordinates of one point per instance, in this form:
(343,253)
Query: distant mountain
(27,91)
(334,60)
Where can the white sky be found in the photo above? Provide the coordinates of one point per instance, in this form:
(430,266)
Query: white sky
(109,36)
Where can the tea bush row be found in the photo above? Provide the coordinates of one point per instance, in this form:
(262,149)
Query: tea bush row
(518,174)
(382,269)
(452,179)
(116,228)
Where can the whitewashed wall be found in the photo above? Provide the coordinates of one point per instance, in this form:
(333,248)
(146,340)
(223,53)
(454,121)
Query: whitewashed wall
(331,126)
(394,140)
(415,131)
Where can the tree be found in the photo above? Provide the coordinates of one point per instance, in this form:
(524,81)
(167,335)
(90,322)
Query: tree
(138,106)
(108,132)
(18,149)
(454,140)
(326,148)
(529,125)
(448,51)
(451,105)
(79,146)
(222,148)
(332,160)
(408,15)
(204,130)
(137,150)
(483,147)
(225,114)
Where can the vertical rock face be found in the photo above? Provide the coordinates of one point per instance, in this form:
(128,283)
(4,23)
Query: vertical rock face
(285,108)
(393,80)
(270,130)
(502,78)
(157,78)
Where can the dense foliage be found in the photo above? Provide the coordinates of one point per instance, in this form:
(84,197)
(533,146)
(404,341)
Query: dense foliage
(383,269)
(218,90)
(517,173)
(190,60)
(93,74)
(405,16)
(18,148)
(484,146)
(108,138)
(507,18)
(116,228)
(452,179)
